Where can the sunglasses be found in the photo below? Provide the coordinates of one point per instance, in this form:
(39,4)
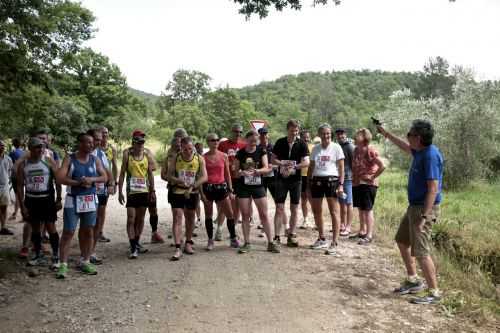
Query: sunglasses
(213,140)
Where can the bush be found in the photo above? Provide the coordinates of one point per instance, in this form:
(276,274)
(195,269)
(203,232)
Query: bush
(466,125)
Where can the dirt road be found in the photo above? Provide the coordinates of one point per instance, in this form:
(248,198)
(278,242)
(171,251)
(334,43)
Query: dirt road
(299,290)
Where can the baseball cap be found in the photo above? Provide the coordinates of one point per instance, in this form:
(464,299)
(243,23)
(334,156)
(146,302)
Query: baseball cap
(263,130)
(35,142)
(138,139)
(340,130)
(138,133)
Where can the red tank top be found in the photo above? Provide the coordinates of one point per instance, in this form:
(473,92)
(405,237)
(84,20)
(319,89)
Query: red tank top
(215,169)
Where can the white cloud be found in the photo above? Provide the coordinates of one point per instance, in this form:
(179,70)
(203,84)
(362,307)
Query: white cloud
(151,39)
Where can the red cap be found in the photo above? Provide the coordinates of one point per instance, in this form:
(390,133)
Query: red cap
(138,132)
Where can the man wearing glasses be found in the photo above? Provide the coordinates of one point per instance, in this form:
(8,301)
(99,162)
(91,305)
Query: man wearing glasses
(230,147)
(424,196)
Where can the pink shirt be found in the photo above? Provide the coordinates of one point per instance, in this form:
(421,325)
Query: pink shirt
(215,168)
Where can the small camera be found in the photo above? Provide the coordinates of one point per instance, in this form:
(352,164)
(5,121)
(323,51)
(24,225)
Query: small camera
(376,122)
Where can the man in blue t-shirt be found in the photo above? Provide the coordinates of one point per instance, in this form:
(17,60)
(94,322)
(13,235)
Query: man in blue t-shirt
(424,196)
(14,155)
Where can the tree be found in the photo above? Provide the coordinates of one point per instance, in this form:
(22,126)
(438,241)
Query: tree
(36,36)
(436,80)
(186,86)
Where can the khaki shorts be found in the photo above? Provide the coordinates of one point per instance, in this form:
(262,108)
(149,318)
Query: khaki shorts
(4,198)
(410,234)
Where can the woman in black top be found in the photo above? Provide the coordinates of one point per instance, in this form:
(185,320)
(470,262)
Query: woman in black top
(251,164)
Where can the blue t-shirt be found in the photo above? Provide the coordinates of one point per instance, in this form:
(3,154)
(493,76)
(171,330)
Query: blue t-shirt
(16,154)
(427,165)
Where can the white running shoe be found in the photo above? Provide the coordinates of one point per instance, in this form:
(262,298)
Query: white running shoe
(134,255)
(320,245)
(332,250)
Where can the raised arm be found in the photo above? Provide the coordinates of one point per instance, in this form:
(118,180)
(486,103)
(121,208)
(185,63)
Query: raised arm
(400,143)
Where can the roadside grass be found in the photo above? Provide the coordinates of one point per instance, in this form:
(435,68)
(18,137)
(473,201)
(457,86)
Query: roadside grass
(467,239)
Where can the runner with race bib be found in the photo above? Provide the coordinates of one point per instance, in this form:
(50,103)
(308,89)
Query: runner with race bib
(79,172)
(137,167)
(251,164)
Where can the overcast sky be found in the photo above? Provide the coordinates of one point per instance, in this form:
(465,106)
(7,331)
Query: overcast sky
(151,39)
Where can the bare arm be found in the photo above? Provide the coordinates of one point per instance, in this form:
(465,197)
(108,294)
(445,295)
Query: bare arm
(265,166)
(103,175)
(151,168)
(114,164)
(171,178)
(430,197)
(123,169)
(304,163)
(20,187)
(381,167)
(340,168)
(227,173)
(400,143)
(203,175)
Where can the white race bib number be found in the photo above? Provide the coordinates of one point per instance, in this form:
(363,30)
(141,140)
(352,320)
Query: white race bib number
(138,184)
(323,161)
(37,184)
(188,177)
(100,188)
(85,203)
(253,180)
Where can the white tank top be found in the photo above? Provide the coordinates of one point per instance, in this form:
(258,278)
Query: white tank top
(38,179)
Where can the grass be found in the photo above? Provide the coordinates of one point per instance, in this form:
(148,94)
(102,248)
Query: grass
(467,239)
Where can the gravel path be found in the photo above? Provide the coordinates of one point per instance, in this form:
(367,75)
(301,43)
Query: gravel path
(299,290)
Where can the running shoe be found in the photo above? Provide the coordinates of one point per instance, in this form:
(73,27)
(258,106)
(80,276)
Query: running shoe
(273,247)
(210,245)
(408,287)
(244,248)
(37,260)
(235,243)
(357,236)
(332,250)
(156,238)
(260,227)
(319,245)
(218,234)
(95,260)
(55,263)
(428,298)
(365,241)
(261,234)
(6,232)
(103,239)
(141,249)
(62,272)
(134,254)
(88,268)
(292,242)
(304,224)
(177,255)
(188,248)
(24,252)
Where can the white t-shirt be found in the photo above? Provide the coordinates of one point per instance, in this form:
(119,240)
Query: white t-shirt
(5,172)
(325,159)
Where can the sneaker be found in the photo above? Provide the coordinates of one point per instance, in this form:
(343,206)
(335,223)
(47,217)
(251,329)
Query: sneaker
(273,247)
(408,287)
(177,255)
(218,234)
(55,263)
(188,248)
(260,227)
(332,250)
(5,231)
(357,236)
(292,242)
(235,243)
(24,252)
(134,254)
(319,245)
(95,260)
(304,224)
(37,260)
(261,234)
(156,238)
(345,233)
(103,239)
(244,248)
(428,298)
(141,249)
(365,241)
(88,268)
(62,272)
(210,245)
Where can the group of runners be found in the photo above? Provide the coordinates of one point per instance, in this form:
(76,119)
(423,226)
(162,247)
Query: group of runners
(235,174)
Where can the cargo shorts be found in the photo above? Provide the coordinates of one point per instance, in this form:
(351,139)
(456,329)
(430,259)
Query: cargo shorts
(410,234)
